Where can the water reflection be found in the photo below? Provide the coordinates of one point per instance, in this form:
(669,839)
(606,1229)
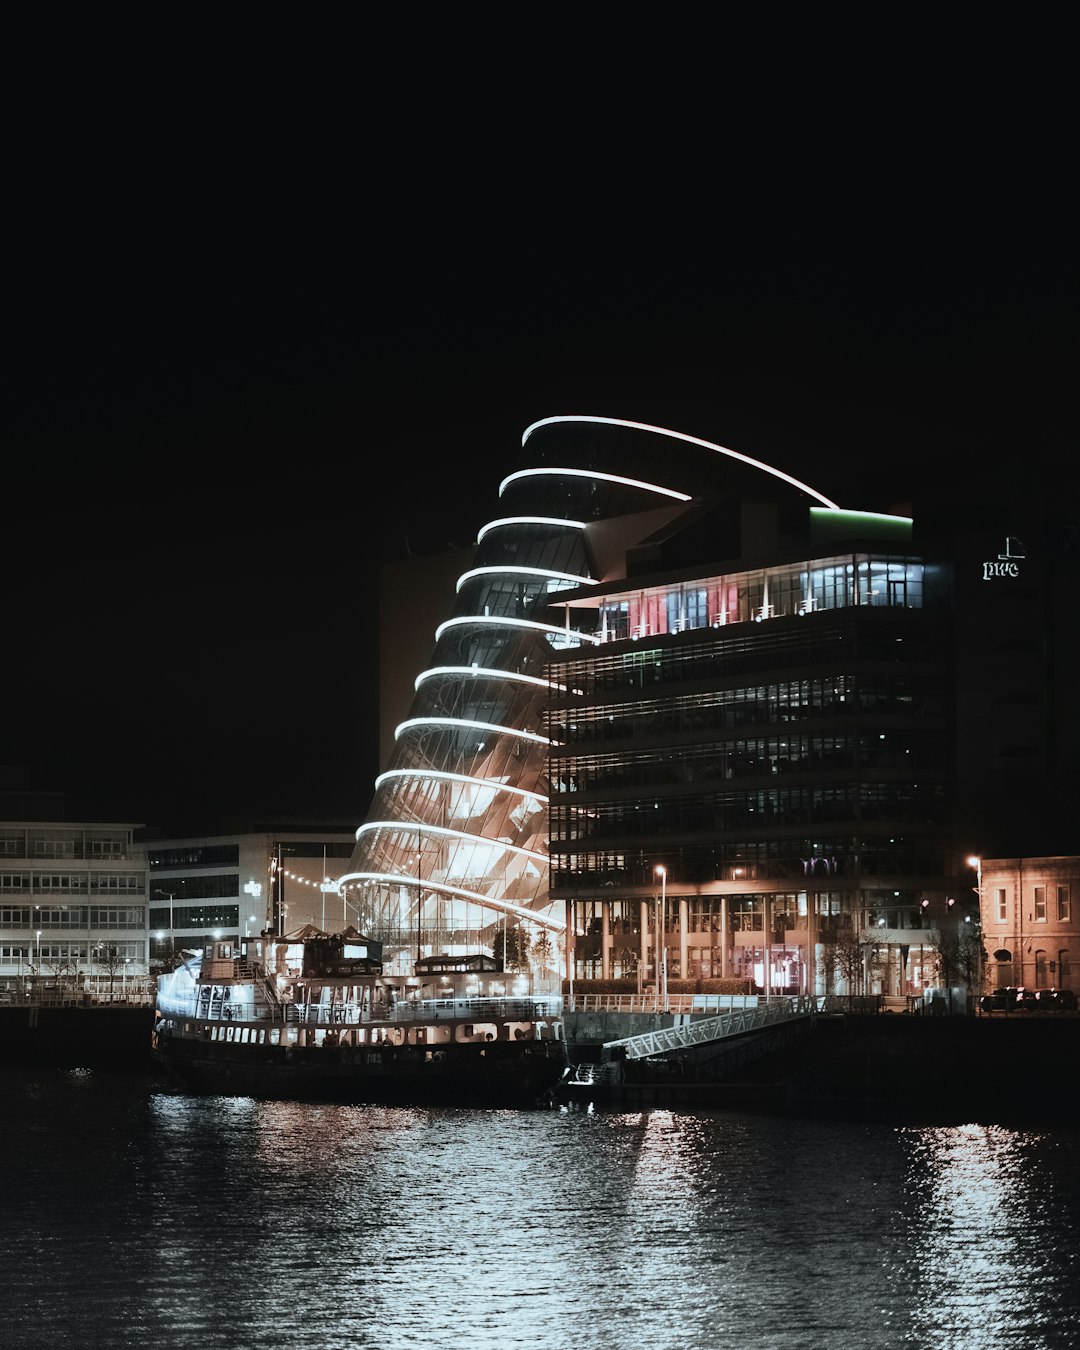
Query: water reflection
(988,1258)
(148,1219)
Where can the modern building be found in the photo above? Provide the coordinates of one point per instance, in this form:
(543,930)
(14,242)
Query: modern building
(73,904)
(231,886)
(94,905)
(751,762)
(688,718)
(674,674)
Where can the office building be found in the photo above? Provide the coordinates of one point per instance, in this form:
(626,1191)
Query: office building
(73,905)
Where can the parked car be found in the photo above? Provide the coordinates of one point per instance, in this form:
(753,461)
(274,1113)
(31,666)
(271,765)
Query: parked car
(1001,1000)
(1063,1000)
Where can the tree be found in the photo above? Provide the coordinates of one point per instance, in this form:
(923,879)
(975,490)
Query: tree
(64,970)
(543,951)
(511,946)
(850,951)
(959,955)
(112,959)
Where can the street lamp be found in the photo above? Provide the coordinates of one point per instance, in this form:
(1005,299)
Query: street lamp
(661,943)
(973,860)
(170,896)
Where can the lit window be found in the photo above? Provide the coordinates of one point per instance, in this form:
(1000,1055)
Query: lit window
(1002,905)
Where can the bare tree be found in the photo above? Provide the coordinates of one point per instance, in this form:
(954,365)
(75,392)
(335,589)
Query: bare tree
(63,969)
(112,960)
(959,956)
(852,950)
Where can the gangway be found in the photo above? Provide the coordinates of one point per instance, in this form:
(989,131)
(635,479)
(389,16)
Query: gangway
(700,1031)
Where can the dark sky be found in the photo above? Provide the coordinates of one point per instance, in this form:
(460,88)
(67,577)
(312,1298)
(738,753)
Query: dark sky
(267,323)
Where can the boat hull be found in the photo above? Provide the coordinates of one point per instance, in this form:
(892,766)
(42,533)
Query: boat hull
(493,1076)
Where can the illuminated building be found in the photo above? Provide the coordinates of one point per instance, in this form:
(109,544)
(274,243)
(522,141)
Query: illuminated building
(231,886)
(666,654)
(94,903)
(73,904)
(767,719)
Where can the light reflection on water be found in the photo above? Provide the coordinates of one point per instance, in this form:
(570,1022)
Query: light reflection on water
(999,1220)
(136,1217)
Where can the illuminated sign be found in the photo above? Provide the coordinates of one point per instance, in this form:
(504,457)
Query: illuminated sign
(1006,564)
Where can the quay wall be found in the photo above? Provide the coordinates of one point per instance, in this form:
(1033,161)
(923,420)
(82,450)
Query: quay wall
(1016,1064)
(73,1037)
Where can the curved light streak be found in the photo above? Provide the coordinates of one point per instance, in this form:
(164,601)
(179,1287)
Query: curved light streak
(446,776)
(593,473)
(510,570)
(486,671)
(690,440)
(506,622)
(863,515)
(486,901)
(416,827)
(529,520)
(475,726)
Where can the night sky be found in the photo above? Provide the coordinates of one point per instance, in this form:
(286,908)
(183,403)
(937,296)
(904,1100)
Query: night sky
(264,328)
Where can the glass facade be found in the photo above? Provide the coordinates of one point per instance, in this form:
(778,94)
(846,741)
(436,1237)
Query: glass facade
(774,735)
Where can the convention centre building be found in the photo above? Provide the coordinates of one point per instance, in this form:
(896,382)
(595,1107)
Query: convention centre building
(690,719)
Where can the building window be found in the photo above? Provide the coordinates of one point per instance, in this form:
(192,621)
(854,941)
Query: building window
(1040,904)
(1002,905)
(1064,974)
(1064,910)
(1040,969)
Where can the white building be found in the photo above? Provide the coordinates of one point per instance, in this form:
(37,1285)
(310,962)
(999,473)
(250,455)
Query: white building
(225,887)
(73,902)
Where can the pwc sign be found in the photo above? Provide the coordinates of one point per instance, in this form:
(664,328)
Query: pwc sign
(1006,564)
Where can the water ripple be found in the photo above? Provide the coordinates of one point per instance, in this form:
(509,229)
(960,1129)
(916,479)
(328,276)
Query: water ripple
(138,1217)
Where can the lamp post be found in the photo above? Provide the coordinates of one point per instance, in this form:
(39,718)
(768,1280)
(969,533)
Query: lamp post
(170,896)
(976,862)
(661,942)
(254,889)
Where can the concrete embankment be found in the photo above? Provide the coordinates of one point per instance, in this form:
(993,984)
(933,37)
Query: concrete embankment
(1001,1066)
(73,1037)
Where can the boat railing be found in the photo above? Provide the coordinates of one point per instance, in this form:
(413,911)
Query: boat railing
(429,1010)
(479,1009)
(674,1003)
(353,1014)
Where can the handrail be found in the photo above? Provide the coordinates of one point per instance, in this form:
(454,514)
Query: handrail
(676,1003)
(57,998)
(733,1023)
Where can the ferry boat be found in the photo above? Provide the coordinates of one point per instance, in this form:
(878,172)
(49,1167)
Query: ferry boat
(311,1015)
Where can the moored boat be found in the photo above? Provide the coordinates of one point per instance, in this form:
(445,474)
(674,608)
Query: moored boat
(313,1015)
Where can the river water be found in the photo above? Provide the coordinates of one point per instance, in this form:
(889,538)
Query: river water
(136,1216)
